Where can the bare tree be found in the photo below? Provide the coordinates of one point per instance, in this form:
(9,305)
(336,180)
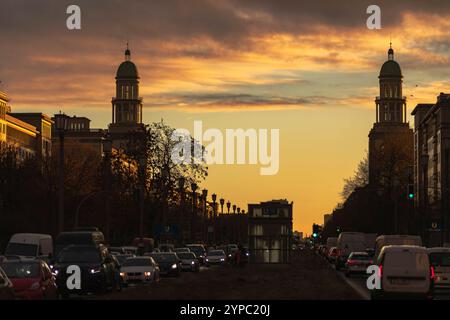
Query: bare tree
(358,180)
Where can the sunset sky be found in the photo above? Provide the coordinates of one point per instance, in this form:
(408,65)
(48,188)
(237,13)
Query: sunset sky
(308,68)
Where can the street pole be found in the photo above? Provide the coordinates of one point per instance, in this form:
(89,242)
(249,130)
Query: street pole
(61,182)
(142,168)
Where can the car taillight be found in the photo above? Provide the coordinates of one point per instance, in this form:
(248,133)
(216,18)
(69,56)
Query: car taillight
(432,273)
(380,271)
(350,261)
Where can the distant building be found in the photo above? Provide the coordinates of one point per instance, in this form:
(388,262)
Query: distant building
(432,169)
(326,218)
(27,133)
(79,137)
(391,126)
(126,105)
(270,231)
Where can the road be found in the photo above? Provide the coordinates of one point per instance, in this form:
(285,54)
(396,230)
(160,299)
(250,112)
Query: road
(308,277)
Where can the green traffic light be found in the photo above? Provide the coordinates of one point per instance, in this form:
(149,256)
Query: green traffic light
(411,195)
(315,235)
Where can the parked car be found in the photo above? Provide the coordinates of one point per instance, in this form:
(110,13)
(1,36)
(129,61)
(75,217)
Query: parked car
(6,287)
(440,261)
(31,279)
(189,261)
(199,250)
(169,263)
(78,238)
(179,250)
(215,257)
(30,245)
(401,239)
(116,250)
(348,242)
(357,262)
(139,269)
(332,254)
(405,272)
(98,269)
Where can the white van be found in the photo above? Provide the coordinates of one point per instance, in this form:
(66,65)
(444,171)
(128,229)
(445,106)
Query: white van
(347,243)
(440,261)
(399,239)
(30,245)
(405,272)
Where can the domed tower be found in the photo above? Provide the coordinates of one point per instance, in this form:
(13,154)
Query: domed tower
(390,104)
(126,105)
(390,138)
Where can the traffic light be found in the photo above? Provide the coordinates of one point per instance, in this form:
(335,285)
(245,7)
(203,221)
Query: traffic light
(316,230)
(410,192)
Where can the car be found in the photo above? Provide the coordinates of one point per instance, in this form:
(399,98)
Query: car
(130,250)
(166,247)
(332,254)
(122,257)
(199,250)
(189,261)
(179,250)
(440,261)
(399,239)
(217,257)
(169,263)
(32,279)
(30,245)
(347,243)
(98,269)
(116,250)
(405,272)
(83,238)
(357,262)
(139,269)
(6,287)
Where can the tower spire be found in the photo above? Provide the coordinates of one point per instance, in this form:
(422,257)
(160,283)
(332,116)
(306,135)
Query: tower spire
(390,52)
(127,53)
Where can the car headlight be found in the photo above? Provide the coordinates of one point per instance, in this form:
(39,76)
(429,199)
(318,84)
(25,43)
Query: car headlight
(147,273)
(174,266)
(55,272)
(192,262)
(122,274)
(207,259)
(222,259)
(35,286)
(93,271)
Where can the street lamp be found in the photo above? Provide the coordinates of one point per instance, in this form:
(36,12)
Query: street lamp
(61,124)
(205,214)
(194,188)
(107,149)
(234,208)
(222,202)
(214,199)
(142,169)
(228,206)
(181,184)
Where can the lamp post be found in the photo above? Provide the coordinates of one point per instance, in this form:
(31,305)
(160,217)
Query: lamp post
(205,215)
(107,149)
(142,169)
(214,199)
(228,207)
(194,188)
(234,208)
(181,183)
(61,123)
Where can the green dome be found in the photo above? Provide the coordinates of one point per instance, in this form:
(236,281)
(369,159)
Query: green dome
(127,69)
(390,69)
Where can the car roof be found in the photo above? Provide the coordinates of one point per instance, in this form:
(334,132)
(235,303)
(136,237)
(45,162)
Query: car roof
(401,248)
(438,249)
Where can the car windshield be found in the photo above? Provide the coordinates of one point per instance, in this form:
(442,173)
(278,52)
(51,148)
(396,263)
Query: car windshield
(360,257)
(198,250)
(79,255)
(123,257)
(186,255)
(21,249)
(161,257)
(137,262)
(181,250)
(21,270)
(440,259)
(216,253)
